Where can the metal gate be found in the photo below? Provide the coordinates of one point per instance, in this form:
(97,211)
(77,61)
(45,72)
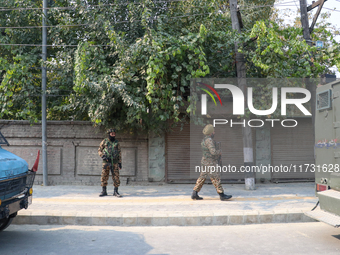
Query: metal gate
(178,152)
(293,148)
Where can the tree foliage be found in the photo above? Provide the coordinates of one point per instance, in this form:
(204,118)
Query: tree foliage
(128,64)
(283,52)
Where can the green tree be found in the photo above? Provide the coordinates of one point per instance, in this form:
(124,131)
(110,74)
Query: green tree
(129,63)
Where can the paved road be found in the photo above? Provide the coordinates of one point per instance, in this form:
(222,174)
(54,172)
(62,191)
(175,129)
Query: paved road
(293,238)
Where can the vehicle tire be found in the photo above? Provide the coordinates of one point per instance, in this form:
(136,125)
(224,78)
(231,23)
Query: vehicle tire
(4,223)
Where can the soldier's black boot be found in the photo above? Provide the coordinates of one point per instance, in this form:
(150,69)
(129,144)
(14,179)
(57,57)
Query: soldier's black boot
(115,192)
(104,193)
(195,196)
(224,197)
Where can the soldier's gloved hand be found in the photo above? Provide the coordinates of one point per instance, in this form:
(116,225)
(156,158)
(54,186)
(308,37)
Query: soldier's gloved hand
(120,165)
(105,158)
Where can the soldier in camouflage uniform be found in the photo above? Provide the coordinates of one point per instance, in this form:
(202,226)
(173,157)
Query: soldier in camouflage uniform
(109,151)
(210,158)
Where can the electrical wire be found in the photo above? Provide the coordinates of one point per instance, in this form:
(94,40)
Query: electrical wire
(119,22)
(74,7)
(105,5)
(331,9)
(127,21)
(51,45)
(285,2)
(262,6)
(73,25)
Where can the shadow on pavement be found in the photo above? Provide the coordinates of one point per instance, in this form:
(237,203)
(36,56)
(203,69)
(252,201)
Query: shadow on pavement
(35,240)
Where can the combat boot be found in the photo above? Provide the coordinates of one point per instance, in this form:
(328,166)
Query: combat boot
(195,196)
(104,193)
(115,192)
(224,197)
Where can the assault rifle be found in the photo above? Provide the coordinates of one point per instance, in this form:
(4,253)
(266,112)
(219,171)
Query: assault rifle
(218,147)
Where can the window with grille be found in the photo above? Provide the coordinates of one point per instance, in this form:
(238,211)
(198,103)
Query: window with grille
(324,100)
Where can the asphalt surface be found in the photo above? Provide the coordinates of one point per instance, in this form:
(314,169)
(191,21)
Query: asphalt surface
(312,238)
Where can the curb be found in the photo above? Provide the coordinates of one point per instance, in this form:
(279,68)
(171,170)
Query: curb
(162,219)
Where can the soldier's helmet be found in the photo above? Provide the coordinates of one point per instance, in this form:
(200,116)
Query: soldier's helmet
(208,129)
(111,130)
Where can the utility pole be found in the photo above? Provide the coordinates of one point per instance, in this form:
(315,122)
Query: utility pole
(311,7)
(304,9)
(305,22)
(43,88)
(248,160)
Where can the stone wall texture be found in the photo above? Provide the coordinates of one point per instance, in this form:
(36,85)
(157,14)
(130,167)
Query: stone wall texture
(72,151)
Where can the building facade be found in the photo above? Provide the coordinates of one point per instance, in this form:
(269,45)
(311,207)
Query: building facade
(72,154)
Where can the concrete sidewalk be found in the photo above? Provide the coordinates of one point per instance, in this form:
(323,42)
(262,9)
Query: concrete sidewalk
(169,204)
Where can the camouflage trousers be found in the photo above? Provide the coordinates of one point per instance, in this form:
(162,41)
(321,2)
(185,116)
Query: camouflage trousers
(106,172)
(214,177)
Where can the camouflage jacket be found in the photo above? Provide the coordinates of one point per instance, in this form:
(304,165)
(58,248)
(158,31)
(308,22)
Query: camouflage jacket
(210,154)
(111,150)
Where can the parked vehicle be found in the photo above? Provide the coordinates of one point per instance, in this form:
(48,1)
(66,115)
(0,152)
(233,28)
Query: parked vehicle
(327,152)
(16,182)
